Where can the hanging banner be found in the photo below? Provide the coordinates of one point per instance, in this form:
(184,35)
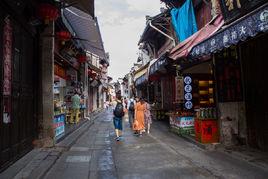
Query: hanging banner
(179,85)
(7,56)
(7,63)
(188,92)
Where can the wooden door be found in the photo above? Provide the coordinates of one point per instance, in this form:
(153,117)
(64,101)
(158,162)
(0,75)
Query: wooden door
(17,134)
(254,65)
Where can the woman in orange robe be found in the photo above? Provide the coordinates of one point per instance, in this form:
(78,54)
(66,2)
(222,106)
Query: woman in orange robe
(139,116)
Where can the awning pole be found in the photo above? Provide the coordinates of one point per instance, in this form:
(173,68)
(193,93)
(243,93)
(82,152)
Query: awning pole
(158,30)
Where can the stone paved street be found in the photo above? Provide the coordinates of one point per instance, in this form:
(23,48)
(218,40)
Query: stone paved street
(158,155)
(91,152)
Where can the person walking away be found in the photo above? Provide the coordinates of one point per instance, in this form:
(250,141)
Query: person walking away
(118,115)
(82,106)
(76,100)
(125,103)
(131,110)
(138,124)
(148,116)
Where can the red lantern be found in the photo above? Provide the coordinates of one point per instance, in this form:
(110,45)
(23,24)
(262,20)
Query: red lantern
(63,36)
(82,58)
(48,12)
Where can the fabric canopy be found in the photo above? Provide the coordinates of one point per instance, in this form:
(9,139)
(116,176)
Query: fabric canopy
(86,30)
(84,5)
(183,20)
(183,49)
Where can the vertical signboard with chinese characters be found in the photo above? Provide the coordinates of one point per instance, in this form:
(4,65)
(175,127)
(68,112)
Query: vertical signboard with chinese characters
(7,63)
(188,92)
(179,85)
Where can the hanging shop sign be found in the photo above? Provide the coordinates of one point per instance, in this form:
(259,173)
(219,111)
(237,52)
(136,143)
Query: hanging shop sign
(240,30)
(160,63)
(60,71)
(232,9)
(179,85)
(7,62)
(7,56)
(188,92)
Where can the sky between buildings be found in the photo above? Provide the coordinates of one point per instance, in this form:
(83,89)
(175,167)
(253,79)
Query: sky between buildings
(122,23)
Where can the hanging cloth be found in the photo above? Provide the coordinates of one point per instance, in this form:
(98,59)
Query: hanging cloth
(183,20)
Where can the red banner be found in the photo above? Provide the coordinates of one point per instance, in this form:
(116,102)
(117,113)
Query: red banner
(7,57)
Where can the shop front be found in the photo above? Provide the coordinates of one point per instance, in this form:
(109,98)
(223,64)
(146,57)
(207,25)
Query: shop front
(195,104)
(239,56)
(160,87)
(66,83)
(195,112)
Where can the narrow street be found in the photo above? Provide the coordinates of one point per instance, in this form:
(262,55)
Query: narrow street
(160,154)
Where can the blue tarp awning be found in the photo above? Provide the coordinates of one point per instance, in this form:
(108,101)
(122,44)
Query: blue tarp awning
(240,30)
(183,20)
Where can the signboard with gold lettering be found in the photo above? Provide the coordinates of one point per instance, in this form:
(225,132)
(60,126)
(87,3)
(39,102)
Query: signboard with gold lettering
(232,9)
(179,86)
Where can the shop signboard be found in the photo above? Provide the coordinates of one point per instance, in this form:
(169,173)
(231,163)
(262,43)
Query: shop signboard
(7,56)
(59,124)
(179,89)
(59,71)
(241,30)
(186,122)
(7,63)
(188,92)
(232,9)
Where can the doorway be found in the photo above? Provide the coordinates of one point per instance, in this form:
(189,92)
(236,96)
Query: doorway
(254,66)
(19,129)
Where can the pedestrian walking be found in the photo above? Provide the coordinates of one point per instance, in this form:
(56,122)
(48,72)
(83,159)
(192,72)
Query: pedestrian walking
(118,115)
(148,116)
(76,101)
(131,111)
(138,124)
(106,105)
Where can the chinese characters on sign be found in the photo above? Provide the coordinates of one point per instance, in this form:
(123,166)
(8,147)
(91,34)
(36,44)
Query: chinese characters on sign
(187,90)
(233,9)
(7,55)
(179,89)
(239,31)
(59,124)
(7,52)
